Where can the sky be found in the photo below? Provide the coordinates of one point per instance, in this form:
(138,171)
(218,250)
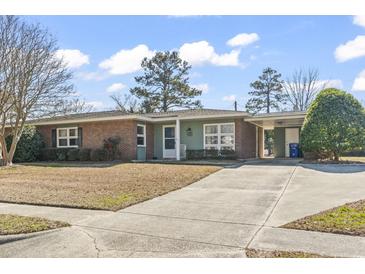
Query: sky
(227,53)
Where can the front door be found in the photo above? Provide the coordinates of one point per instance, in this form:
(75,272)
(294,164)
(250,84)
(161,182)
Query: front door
(291,136)
(169,149)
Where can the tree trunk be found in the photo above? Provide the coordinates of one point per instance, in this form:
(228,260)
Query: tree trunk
(336,157)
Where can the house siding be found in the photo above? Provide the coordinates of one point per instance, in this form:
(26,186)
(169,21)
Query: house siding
(245,136)
(94,134)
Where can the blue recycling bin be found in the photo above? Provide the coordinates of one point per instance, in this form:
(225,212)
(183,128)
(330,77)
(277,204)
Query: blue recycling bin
(294,150)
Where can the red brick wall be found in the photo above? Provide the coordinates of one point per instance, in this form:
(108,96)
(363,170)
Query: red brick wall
(245,137)
(149,140)
(94,134)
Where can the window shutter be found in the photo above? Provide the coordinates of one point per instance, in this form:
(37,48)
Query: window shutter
(54,137)
(79,134)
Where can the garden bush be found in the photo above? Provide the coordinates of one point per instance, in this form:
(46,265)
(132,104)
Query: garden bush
(73,154)
(335,123)
(62,154)
(49,154)
(29,147)
(111,145)
(99,154)
(84,154)
(201,154)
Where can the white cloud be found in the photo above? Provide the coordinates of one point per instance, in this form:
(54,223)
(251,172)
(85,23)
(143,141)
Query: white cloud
(359,20)
(204,87)
(243,39)
(97,105)
(127,60)
(334,83)
(199,53)
(73,58)
(229,98)
(97,76)
(359,83)
(115,87)
(352,49)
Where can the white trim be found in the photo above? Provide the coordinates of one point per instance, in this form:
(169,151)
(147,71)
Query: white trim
(142,135)
(219,135)
(67,137)
(177,139)
(257,141)
(163,141)
(257,119)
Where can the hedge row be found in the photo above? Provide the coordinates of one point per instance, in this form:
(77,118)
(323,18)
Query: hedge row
(201,154)
(76,154)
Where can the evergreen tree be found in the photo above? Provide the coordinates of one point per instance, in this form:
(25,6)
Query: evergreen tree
(267,92)
(165,83)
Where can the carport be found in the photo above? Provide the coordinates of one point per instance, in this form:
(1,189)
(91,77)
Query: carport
(286,126)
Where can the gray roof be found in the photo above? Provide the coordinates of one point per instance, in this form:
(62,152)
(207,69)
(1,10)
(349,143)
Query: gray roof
(87,115)
(186,113)
(193,112)
(155,115)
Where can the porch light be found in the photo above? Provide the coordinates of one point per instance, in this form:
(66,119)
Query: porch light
(189,132)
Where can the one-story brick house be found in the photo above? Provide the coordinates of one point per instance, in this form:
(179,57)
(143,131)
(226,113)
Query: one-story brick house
(170,134)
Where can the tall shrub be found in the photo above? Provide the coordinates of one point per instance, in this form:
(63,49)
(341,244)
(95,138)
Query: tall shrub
(335,123)
(29,146)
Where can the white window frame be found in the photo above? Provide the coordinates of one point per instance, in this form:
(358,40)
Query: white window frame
(68,137)
(219,134)
(142,135)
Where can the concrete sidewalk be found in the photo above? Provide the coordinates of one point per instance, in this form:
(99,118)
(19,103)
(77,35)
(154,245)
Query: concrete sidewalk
(219,216)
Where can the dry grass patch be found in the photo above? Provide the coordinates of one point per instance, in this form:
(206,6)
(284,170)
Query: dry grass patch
(347,219)
(255,253)
(14,224)
(112,187)
(354,159)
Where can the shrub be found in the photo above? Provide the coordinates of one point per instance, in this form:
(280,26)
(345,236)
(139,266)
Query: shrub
(335,123)
(62,154)
(73,154)
(199,154)
(29,147)
(228,154)
(49,154)
(111,145)
(84,154)
(99,155)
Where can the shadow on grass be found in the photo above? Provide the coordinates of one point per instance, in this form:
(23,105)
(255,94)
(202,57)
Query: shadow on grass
(88,164)
(336,168)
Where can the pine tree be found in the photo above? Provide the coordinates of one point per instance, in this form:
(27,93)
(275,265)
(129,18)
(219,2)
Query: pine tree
(165,83)
(267,92)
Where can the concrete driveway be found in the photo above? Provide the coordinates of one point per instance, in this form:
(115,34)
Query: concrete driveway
(218,216)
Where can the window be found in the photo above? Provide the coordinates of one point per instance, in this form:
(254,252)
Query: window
(67,137)
(141,135)
(219,136)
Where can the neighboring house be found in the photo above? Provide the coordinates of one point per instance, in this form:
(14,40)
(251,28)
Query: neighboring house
(167,135)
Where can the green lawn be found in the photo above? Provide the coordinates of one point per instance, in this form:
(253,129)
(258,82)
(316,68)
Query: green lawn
(346,219)
(14,224)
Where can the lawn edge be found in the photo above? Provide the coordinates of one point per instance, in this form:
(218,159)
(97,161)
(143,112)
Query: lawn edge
(337,232)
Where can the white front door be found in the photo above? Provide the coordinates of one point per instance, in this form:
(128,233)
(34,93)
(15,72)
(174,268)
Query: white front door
(169,148)
(291,136)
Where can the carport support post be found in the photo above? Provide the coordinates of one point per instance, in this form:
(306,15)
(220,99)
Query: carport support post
(177,139)
(261,142)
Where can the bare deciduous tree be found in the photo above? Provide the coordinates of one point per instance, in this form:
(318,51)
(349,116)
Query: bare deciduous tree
(33,82)
(301,88)
(126,103)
